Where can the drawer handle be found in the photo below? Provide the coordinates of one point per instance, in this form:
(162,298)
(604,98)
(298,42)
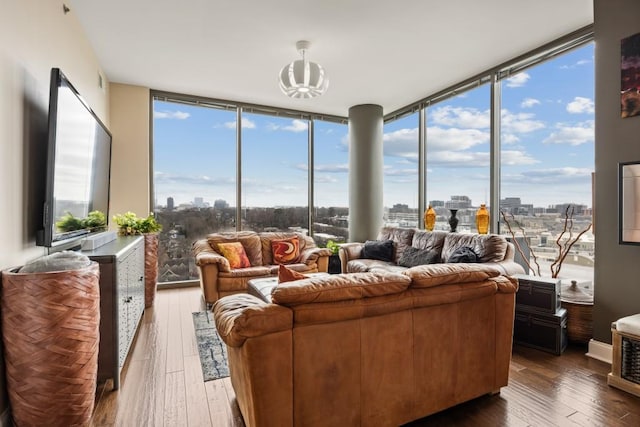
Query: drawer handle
(141,279)
(128,299)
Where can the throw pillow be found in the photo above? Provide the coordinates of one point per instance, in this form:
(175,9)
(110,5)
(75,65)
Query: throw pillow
(414,256)
(288,275)
(463,254)
(235,254)
(381,250)
(285,251)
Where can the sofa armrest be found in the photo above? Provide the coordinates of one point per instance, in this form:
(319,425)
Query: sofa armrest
(311,256)
(243,316)
(508,267)
(205,255)
(349,251)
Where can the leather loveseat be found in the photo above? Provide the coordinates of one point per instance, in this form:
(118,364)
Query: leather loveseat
(218,279)
(491,249)
(369,349)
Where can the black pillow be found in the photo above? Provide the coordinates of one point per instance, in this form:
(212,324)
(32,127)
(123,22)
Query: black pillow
(463,254)
(378,249)
(414,256)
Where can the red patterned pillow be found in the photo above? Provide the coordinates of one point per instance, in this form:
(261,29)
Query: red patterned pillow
(235,254)
(288,275)
(285,251)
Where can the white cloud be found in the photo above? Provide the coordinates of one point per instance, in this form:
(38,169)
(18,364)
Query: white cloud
(295,126)
(326,168)
(246,124)
(509,138)
(518,80)
(581,133)
(519,122)
(551,176)
(461,117)
(529,102)
(581,105)
(576,64)
(178,115)
(515,157)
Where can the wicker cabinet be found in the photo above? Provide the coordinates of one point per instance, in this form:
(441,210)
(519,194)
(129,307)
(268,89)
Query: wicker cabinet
(121,301)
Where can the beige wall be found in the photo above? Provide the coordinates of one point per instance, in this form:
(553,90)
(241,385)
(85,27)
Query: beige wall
(35,36)
(130,164)
(617,270)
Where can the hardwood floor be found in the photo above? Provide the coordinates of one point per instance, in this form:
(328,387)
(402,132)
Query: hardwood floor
(162,384)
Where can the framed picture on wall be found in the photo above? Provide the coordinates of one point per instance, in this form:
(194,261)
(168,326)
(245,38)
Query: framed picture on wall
(629,203)
(630,76)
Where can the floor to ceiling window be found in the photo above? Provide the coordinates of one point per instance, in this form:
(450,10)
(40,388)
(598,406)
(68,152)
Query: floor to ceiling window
(194,158)
(274,173)
(458,156)
(400,182)
(547,157)
(331,182)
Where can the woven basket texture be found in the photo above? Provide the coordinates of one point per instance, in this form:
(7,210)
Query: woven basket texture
(579,321)
(50,329)
(150,268)
(630,369)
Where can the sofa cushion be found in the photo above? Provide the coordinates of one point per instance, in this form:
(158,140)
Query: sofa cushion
(430,240)
(287,275)
(425,276)
(402,238)
(463,254)
(285,251)
(235,254)
(363,265)
(414,256)
(378,249)
(249,239)
(488,247)
(339,287)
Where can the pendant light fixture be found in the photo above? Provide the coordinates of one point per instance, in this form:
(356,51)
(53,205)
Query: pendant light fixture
(303,78)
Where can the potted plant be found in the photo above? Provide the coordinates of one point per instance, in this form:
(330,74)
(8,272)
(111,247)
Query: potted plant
(129,224)
(335,266)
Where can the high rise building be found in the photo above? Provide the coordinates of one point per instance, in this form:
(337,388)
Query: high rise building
(170,204)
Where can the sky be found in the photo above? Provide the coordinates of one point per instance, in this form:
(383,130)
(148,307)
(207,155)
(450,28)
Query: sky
(547,147)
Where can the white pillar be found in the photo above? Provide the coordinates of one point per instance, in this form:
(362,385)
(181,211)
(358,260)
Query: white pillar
(365,172)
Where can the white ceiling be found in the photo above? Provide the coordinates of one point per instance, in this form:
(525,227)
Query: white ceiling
(389,53)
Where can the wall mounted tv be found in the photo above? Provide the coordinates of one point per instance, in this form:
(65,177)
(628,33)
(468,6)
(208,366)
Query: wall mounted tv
(78,164)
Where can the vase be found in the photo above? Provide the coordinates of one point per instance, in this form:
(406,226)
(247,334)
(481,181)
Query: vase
(482,219)
(453,220)
(429,218)
(51,334)
(150,268)
(335,265)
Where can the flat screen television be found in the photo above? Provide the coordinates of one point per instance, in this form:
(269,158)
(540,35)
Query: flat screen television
(78,163)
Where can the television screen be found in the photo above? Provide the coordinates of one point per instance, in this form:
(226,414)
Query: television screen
(78,166)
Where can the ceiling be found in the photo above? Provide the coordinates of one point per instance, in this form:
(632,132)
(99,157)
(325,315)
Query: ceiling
(380,52)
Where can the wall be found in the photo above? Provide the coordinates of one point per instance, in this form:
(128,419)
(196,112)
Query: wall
(35,35)
(130,163)
(617,140)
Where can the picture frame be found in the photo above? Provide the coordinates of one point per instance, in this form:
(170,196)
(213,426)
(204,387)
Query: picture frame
(630,76)
(629,203)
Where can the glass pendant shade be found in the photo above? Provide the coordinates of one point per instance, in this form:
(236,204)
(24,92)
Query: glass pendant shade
(302,78)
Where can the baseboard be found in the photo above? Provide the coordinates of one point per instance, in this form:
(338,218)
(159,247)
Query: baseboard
(600,351)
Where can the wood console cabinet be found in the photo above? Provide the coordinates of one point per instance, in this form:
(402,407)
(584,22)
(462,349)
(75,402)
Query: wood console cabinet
(121,301)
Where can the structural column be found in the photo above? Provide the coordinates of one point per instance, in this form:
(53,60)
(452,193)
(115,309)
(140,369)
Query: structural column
(365,172)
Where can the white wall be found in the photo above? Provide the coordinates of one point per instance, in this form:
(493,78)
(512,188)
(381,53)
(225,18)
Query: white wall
(35,35)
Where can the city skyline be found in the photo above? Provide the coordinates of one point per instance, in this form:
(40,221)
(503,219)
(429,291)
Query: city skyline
(547,151)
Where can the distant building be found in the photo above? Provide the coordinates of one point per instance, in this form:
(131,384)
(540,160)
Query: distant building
(170,204)
(220,204)
(458,202)
(198,202)
(437,203)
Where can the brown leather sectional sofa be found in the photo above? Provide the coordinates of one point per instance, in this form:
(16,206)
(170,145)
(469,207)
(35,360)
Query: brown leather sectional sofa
(369,349)
(217,279)
(492,249)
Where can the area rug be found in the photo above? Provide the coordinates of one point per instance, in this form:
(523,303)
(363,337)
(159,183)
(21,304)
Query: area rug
(212,350)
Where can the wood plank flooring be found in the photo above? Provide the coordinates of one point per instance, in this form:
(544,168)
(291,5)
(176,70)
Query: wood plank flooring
(162,384)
